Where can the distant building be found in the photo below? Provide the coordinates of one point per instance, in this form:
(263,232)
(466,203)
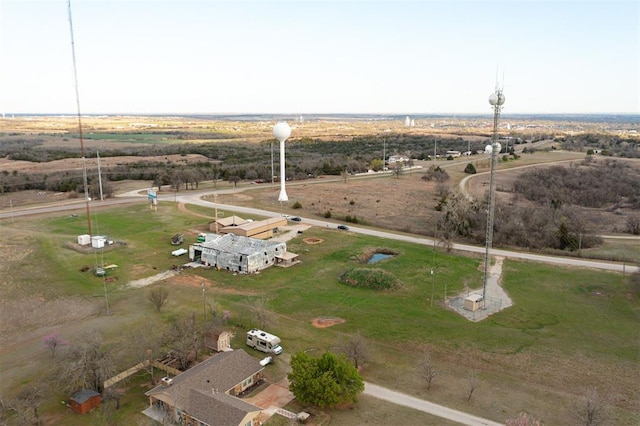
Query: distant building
(261,229)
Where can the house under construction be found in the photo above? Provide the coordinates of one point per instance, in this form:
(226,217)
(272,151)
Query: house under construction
(240,254)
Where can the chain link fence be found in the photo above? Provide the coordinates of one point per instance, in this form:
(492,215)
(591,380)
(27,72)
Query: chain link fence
(489,306)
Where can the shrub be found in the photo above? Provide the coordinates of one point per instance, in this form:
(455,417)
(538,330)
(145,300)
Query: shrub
(371,278)
(470,169)
(296,205)
(327,214)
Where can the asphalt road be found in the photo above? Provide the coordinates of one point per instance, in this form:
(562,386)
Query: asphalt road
(196,198)
(556,260)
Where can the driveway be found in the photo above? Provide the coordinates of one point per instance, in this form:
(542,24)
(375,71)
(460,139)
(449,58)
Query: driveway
(425,406)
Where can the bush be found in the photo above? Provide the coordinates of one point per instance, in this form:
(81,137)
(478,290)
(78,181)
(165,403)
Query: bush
(296,205)
(327,214)
(470,169)
(351,219)
(373,279)
(437,174)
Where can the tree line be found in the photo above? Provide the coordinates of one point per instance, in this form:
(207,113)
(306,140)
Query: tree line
(552,217)
(227,161)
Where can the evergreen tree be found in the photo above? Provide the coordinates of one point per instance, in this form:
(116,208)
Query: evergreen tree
(324,382)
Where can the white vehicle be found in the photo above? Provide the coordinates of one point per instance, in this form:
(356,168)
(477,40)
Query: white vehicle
(179,252)
(264,362)
(264,341)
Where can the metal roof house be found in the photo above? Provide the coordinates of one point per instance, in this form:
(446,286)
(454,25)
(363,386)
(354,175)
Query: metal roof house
(238,254)
(206,393)
(261,229)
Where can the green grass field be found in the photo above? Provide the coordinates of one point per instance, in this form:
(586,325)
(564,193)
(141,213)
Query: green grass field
(568,328)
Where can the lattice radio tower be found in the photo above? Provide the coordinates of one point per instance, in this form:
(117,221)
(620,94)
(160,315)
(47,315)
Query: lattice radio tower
(496,100)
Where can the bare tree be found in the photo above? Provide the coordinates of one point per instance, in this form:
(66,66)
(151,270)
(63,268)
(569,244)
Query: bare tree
(27,403)
(158,296)
(143,343)
(633,224)
(185,339)
(261,315)
(590,410)
(219,317)
(634,282)
(427,370)
(51,342)
(87,364)
(112,394)
(345,175)
(397,169)
(356,349)
(214,307)
(473,383)
(443,188)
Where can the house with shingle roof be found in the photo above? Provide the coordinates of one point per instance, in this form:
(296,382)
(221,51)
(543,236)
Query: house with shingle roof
(207,393)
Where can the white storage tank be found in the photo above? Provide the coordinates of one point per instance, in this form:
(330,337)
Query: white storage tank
(84,240)
(98,241)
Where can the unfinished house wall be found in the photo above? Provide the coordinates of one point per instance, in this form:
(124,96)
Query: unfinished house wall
(239,254)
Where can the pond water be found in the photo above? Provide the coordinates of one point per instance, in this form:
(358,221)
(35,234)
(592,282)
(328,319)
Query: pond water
(378,257)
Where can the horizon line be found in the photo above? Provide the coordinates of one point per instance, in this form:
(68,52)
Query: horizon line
(488,113)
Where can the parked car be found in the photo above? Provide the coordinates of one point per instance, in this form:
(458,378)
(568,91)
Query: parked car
(296,219)
(343,227)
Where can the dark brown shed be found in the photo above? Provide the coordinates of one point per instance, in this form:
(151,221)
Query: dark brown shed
(85,400)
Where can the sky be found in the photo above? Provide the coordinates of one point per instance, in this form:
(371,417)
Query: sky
(309,57)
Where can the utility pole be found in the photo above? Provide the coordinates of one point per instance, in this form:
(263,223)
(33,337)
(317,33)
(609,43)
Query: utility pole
(384,154)
(432,286)
(215,198)
(204,305)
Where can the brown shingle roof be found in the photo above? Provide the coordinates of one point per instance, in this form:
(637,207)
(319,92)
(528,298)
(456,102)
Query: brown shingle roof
(214,376)
(218,409)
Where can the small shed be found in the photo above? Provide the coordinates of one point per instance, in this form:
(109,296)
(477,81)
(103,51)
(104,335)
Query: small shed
(84,401)
(84,239)
(473,302)
(98,241)
(219,341)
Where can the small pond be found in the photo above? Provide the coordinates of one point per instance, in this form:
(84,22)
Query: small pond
(378,257)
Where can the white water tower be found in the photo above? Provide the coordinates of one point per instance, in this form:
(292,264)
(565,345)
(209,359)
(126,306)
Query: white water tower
(282,131)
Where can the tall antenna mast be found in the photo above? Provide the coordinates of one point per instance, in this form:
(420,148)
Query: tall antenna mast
(84,160)
(100,176)
(496,100)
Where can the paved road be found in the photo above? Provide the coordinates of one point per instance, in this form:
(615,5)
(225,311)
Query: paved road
(557,260)
(425,406)
(196,198)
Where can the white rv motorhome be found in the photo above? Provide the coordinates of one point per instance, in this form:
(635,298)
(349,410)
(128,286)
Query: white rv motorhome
(264,341)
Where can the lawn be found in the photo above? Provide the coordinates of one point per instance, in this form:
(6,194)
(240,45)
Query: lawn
(568,329)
